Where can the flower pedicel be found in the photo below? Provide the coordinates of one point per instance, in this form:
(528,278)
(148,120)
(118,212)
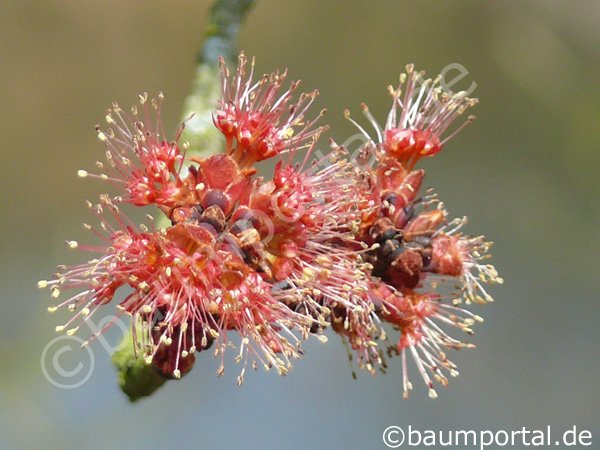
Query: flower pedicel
(322,242)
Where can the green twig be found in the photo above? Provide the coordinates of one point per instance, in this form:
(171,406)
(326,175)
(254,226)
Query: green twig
(222,31)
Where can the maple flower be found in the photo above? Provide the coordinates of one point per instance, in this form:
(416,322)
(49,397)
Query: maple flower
(461,256)
(275,259)
(324,275)
(417,120)
(189,289)
(139,159)
(258,257)
(190,282)
(416,256)
(257,121)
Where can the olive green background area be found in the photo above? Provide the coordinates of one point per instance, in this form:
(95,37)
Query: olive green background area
(525,172)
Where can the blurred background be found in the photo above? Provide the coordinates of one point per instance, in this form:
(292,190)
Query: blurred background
(526,174)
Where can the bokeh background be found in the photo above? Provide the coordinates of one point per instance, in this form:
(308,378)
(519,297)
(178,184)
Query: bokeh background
(526,174)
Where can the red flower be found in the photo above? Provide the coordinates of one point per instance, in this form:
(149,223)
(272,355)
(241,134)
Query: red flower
(257,121)
(262,258)
(277,259)
(413,253)
(417,121)
(140,160)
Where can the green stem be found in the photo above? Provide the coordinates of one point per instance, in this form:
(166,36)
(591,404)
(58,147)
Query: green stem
(136,378)
(222,31)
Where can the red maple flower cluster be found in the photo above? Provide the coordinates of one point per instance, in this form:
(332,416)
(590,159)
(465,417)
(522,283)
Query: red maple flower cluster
(350,244)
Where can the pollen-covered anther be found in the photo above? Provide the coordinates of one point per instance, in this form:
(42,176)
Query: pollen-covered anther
(72,244)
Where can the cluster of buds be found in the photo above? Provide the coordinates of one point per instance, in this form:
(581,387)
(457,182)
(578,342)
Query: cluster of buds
(328,241)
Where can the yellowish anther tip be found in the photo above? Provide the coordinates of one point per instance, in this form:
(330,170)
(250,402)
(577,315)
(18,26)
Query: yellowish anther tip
(42,284)
(82,173)
(72,244)
(59,328)
(177,373)
(432,393)
(51,309)
(72,331)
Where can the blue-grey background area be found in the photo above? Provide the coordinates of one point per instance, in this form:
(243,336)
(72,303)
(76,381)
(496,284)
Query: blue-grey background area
(526,174)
